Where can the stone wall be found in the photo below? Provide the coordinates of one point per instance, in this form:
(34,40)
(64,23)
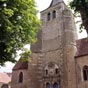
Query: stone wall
(80,63)
(15,79)
(56,45)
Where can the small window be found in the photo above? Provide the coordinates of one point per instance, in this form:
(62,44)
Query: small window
(47,85)
(21,77)
(48,16)
(85,73)
(46,72)
(54,14)
(56,71)
(55,85)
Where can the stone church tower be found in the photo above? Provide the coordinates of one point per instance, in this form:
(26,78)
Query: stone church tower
(56,61)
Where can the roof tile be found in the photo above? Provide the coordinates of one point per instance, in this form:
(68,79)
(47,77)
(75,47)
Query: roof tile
(82,47)
(21,65)
(4,78)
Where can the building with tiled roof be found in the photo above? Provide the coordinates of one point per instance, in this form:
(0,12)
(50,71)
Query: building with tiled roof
(21,65)
(4,79)
(82,47)
(58,59)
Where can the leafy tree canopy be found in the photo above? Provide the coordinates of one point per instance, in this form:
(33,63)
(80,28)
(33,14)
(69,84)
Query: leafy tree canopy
(81,6)
(18,26)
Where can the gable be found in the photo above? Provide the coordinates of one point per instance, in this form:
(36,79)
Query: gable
(21,65)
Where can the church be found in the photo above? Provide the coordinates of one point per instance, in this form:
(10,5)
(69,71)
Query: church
(58,59)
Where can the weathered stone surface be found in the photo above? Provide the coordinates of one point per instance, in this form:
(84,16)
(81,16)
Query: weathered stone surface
(53,58)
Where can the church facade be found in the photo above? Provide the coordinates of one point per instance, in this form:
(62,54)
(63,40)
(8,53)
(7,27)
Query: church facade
(58,59)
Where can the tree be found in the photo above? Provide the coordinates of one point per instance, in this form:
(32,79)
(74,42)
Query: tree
(81,6)
(18,26)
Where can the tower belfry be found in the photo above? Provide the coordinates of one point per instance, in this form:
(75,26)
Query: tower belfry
(49,38)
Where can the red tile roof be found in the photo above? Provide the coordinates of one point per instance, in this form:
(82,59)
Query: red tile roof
(9,74)
(4,78)
(21,65)
(82,47)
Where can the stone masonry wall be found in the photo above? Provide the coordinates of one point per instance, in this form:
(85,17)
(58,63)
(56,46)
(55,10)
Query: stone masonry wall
(80,63)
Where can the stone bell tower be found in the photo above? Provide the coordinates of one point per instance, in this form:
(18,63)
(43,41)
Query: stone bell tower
(52,61)
(56,47)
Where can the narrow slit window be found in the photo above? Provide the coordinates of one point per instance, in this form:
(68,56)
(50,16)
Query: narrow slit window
(56,71)
(48,16)
(46,71)
(54,14)
(21,77)
(85,73)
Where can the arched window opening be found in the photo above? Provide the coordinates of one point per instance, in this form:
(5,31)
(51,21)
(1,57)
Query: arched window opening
(48,16)
(46,71)
(85,73)
(56,70)
(21,77)
(54,14)
(55,85)
(47,85)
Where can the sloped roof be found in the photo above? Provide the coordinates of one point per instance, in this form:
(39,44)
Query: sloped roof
(4,78)
(54,2)
(9,74)
(21,65)
(82,47)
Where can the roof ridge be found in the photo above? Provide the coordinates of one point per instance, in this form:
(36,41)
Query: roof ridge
(54,2)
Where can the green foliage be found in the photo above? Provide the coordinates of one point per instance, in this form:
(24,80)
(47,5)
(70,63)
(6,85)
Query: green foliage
(25,56)
(18,26)
(81,6)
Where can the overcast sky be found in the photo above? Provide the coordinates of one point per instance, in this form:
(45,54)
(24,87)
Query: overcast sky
(41,5)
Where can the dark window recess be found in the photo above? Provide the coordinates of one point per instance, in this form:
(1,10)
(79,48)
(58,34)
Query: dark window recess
(56,71)
(47,85)
(54,14)
(48,16)
(46,72)
(55,85)
(21,77)
(85,73)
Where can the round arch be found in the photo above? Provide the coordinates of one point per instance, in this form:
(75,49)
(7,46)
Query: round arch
(55,85)
(20,77)
(47,85)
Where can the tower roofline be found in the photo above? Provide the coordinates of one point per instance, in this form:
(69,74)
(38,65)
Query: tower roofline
(53,3)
